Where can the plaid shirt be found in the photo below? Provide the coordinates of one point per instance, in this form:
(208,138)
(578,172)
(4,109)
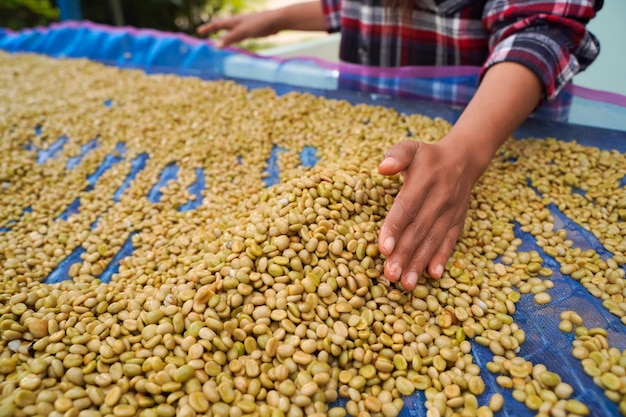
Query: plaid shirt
(548,37)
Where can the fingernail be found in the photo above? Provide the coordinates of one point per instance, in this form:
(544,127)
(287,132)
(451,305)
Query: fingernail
(389,244)
(438,271)
(219,44)
(389,161)
(395,272)
(410,280)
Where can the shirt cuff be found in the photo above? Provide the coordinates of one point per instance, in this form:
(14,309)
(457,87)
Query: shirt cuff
(332,15)
(542,54)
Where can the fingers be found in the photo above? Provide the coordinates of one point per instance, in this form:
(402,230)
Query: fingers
(403,211)
(216,25)
(234,32)
(438,254)
(439,259)
(406,206)
(426,243)
(431,254)
(232,36)
(408,202)
(415,247)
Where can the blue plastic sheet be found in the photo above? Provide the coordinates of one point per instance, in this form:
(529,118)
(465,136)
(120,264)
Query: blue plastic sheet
(156,52)
(162,52)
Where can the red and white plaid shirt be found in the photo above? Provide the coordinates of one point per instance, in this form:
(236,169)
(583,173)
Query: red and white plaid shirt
(548,37)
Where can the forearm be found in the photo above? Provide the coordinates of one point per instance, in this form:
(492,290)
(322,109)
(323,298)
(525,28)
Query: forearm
(302,16)
(507,95)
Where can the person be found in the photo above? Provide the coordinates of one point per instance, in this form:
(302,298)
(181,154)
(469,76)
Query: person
(528,50)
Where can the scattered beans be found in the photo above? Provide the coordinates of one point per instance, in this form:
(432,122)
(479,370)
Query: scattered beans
(542,298)
(268,301)
(606,365)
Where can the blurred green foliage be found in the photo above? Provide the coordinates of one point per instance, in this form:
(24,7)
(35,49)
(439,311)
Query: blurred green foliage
(166,15)
(18,14)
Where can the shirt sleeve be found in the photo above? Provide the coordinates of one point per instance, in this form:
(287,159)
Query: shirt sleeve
(548,37)
(332,15)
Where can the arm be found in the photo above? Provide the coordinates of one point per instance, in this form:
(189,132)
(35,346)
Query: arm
(301,16)
(494,112)
(429,213)
(536,47)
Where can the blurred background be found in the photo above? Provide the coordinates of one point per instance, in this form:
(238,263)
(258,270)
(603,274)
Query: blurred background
(608,73)
(167,15)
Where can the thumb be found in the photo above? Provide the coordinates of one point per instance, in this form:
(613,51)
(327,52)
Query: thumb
(398,157)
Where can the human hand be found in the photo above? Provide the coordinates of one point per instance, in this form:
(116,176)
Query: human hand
(428,214)
(241,27)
